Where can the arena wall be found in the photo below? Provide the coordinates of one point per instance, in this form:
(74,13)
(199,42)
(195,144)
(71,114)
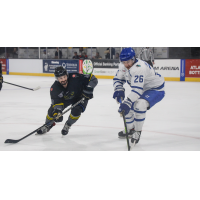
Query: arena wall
(170,69)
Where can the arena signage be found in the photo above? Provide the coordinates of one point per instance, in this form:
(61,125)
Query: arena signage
(3,65)
(192,69)
(103,63)
(168,68)
(105,71)
(72,66)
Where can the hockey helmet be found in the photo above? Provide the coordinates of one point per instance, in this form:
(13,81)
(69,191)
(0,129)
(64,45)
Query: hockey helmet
(127,54)
(60,71)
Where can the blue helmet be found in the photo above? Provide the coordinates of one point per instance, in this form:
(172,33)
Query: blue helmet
(127,54)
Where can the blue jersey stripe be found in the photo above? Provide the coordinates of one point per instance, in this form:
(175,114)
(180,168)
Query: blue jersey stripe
(118,82)
(130,122)
(139,120)
(139,111)
(116,79)
(130,117)
(128,103)
(119,86)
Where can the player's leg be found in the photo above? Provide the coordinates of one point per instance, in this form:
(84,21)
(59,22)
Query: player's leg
(146,101)
(130,125)
(140,108)
(74,116)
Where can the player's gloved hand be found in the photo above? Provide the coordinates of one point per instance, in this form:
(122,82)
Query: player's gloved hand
(1,82)
(126,106)
(57,115)
(87,96)
(119,96)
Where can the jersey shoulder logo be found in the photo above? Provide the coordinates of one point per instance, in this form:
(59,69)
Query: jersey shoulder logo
(61,95)
(51,89)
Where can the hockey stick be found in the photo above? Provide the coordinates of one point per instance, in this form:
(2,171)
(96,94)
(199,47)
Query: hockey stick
(16,141)
(37,88)
(124,119)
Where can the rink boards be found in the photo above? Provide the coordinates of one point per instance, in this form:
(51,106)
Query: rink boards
(171,69)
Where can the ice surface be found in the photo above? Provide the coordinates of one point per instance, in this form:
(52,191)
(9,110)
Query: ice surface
(171,125)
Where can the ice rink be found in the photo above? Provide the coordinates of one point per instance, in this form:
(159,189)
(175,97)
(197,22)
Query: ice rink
(171,125)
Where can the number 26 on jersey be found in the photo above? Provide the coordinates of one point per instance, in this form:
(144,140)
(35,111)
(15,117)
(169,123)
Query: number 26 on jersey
(138,79)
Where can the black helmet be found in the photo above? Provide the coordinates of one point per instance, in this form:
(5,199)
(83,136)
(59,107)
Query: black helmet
(60,71)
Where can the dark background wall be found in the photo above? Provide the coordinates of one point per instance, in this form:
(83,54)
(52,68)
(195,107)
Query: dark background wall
(184,52)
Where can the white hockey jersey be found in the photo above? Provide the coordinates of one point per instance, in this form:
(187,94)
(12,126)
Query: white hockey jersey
(141,77)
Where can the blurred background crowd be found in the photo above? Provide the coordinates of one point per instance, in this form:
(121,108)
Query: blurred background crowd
(94,52)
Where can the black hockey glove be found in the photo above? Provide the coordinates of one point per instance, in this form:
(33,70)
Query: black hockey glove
(87,96)
(57,115)
(1,82)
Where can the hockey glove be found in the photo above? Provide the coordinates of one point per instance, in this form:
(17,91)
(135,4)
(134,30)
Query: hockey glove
(126,106)
(57,115)
(119,96)
(87,95)
(1,82)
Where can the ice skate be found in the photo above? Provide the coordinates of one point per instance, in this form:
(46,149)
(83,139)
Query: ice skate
(136,137)
(45,129)
(65,129)
(122,134)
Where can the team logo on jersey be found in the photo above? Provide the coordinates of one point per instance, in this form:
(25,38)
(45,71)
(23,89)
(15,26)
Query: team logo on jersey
(73,75)
(69,96)
(51,89)
(138,65)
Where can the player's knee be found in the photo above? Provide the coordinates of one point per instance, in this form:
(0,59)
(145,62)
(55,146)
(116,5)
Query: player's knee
(76,111)
(141,105)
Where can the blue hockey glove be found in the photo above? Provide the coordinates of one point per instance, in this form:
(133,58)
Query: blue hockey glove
(126,106)
(119,96)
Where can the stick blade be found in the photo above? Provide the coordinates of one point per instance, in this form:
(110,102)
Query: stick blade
(11,141)
(37,88)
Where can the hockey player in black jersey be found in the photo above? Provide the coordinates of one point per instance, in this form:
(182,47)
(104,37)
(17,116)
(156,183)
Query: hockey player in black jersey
(67,90)
(1,77)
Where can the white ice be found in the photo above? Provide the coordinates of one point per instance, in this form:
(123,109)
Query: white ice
(171,125)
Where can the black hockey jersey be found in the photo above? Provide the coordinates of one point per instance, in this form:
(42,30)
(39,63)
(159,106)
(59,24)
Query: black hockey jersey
(78,84)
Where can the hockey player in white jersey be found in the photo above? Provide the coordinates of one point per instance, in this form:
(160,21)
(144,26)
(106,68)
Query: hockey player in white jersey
(147,90)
